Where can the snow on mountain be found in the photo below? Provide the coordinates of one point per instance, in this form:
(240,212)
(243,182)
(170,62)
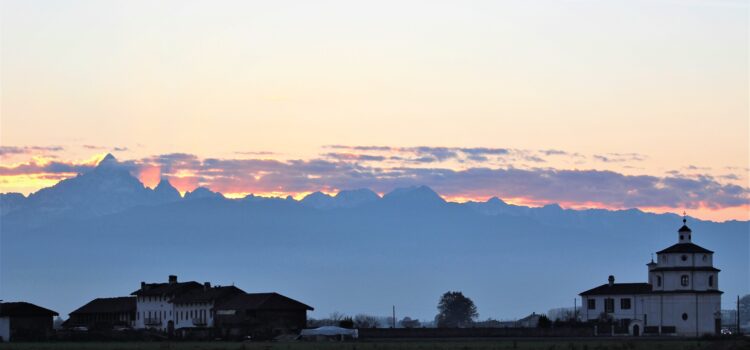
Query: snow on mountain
(106,189)
(355,198)
(318,200)
(343,199)
(165,192)
(201,193)
(414,195)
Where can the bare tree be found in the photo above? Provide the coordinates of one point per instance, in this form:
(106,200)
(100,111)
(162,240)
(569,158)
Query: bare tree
(366,321)
(336,316)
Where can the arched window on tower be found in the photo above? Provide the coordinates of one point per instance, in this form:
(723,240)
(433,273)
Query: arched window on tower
(711,281)
(658,281)
(685,280)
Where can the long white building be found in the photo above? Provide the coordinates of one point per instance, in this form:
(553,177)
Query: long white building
(174,305)
(682,296)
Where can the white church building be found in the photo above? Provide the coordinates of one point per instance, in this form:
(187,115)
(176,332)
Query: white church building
(682,296)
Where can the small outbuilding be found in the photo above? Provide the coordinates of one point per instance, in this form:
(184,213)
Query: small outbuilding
(25,321)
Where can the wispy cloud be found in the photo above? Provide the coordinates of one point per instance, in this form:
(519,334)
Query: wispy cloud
(31,150)
(385,168)
(619,157)
(342,170)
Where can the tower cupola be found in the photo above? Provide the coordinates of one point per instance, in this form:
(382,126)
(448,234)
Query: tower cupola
(684,233)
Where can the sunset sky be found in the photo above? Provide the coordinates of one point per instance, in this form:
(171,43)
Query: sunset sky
(603,104)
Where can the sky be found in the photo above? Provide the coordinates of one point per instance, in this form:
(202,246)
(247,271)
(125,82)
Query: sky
(616,104)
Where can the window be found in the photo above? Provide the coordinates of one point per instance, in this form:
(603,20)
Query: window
(711,281)
(609,305)
(705,257)
(591,304)
(625,303)
(684,317)
(684,258)
(658,281)
(684,280)
(682,237)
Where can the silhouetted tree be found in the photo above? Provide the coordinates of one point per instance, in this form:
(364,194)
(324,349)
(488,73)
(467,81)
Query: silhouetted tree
(408,322)
(544,322)
(346,322)
(455,310)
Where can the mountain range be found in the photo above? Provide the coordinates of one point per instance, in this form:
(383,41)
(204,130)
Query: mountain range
(102,232)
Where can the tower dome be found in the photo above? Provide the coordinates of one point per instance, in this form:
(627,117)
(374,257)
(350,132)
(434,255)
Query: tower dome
(685,233)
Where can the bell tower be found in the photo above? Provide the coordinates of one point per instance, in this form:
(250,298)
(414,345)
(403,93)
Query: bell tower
(684,233)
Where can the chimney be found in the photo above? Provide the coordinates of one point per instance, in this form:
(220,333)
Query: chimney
(206,285)
(143,285)
(172,279)
(611,280)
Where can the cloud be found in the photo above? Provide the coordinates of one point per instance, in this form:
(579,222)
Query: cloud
(255,153)
(95,147)
(41,168)
(619,157)
(18,150)
(341,170)
(383,169)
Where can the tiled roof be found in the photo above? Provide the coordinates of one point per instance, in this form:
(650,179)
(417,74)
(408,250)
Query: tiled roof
(207,294)
(262,301)
(163,289)
(24,309)
(107,305)
(685,248)
(686,268)
(619,288)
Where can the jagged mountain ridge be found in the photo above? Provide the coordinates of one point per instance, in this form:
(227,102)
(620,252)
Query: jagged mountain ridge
(410,242)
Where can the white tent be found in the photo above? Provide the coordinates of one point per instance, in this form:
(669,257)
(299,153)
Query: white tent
(330,331)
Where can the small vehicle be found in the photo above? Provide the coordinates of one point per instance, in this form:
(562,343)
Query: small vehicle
(80,329)
(726,331)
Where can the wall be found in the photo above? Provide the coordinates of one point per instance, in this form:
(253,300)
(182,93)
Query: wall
(200,310)
(375,333)
(159,307)
(5,328)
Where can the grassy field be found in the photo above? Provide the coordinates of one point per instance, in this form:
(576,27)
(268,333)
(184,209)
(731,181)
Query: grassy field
(593,344)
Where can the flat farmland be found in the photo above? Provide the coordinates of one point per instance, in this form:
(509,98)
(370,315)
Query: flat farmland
(541,344)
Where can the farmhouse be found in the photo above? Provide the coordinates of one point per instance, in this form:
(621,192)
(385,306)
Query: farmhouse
(681,297)
(192,308)
(269,313)
(104,313)
(24,321)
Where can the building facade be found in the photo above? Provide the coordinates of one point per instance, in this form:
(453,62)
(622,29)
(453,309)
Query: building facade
(681,297)
(199,310)
(260,315)
(104,313)
(25,321)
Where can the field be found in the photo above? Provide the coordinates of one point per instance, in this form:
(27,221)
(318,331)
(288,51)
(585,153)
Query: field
(578,344)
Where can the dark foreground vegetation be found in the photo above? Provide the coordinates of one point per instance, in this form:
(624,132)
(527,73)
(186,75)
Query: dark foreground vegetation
(540,344)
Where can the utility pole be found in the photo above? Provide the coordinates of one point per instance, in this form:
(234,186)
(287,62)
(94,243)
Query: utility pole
(575,308)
